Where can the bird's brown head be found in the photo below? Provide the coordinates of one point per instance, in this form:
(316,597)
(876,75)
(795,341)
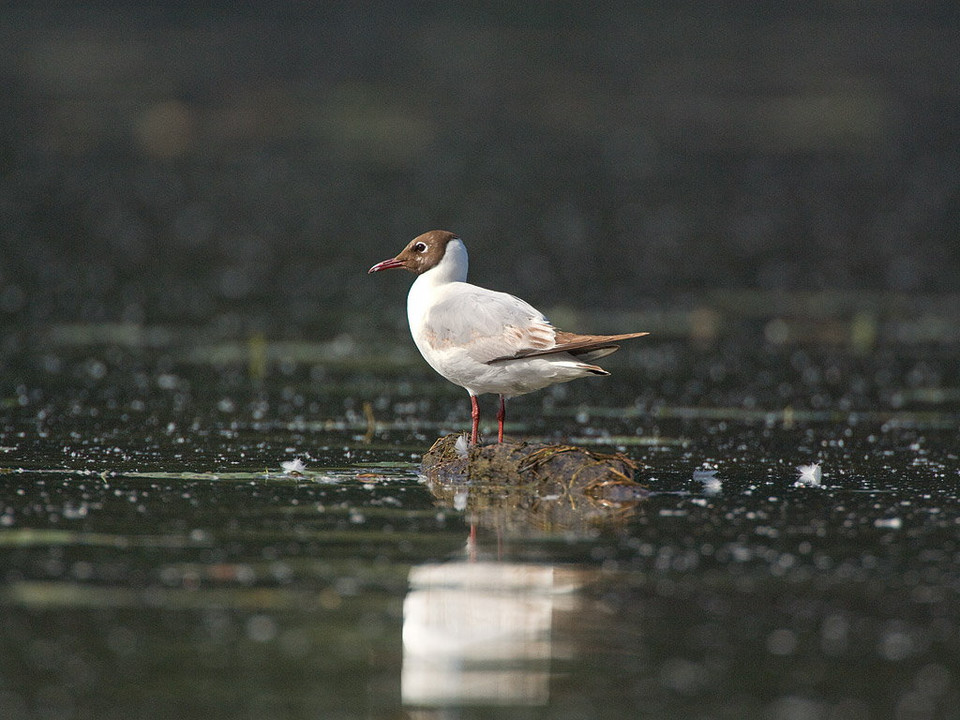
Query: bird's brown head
(421,254)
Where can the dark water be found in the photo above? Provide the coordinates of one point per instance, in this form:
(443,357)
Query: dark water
(190,194)
(159,562)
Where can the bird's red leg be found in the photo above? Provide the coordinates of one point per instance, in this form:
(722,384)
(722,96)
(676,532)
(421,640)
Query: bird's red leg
(472,543)
(475,414)
(500,416)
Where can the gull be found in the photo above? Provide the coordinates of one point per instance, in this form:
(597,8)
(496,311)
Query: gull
(483,340)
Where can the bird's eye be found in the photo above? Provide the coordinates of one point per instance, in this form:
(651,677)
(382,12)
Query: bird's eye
(420,247)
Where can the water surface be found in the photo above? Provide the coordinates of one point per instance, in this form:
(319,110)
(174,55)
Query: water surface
(160,561)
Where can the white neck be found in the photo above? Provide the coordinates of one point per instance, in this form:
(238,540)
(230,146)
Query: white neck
(451,268)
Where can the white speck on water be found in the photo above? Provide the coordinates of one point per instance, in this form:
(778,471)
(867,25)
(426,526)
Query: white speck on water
(261,628)
(167,381)
(795,707)
(896,643)
(782,641)
(199,535)
(75,512)
(293,467)
(712,485)
(682,676)
(891,523)
(96,369)
(460,499)
(810,475)
(834,634)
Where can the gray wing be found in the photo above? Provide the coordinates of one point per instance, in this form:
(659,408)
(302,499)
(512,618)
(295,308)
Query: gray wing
(487,324)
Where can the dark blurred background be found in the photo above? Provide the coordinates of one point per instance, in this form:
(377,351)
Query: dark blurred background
(198,163)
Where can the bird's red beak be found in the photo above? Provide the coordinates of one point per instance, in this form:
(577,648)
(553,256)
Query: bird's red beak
(386,265)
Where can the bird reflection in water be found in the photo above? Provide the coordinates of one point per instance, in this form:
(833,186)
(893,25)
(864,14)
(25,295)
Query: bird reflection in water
(482,632)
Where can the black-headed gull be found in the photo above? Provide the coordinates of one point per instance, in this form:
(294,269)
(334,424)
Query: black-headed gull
(482,340)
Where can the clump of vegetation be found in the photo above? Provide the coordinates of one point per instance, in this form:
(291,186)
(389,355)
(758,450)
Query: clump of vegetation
(548,486)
